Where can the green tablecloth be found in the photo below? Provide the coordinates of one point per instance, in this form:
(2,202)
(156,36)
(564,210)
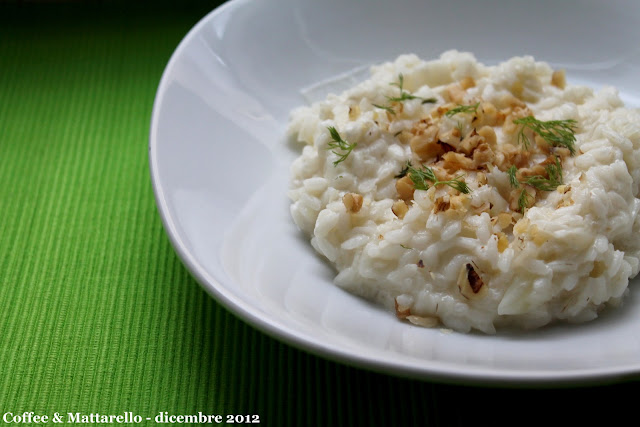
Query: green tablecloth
(97,314)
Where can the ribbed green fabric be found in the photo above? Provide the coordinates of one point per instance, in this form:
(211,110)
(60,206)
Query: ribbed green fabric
(97,314)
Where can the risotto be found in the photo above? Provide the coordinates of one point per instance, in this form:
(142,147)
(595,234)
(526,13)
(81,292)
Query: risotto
(471,196)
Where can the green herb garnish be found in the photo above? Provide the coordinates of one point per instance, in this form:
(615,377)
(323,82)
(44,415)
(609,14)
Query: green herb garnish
(559,133)
(404,96)
(512,176)
(387,108)
(523,200)
(404,170)
(462,109)
(421,176)
(339,144)
(554,171)
(539,182)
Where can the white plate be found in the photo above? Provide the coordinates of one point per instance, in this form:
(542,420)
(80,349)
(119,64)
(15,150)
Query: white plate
(220,165)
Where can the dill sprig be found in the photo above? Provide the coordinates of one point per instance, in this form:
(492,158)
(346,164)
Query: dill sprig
(405,170)
(339,144)
(421,176)
(399,83)
(387,108)
(513,180)
(559,133)
(554,171)
(404,96)
(539,182)
(462,109)
(523,200)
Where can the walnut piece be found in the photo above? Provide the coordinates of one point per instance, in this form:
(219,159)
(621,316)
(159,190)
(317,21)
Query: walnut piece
(475,281)
(352,201)
(558,79)
(400,208)
(405,188)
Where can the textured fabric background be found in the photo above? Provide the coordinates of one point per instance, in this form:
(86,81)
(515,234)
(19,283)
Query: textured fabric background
(97,314)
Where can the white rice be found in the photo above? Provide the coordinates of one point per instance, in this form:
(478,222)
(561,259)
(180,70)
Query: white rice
(568,256)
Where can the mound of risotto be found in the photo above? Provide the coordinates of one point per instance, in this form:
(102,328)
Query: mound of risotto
(468,196)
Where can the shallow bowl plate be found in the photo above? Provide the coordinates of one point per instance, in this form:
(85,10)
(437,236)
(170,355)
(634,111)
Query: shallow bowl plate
(220,164)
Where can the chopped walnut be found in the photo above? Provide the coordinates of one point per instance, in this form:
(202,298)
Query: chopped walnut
(421,126)
(467,82)
(454,162)
(469,282)
(451,155)
(441,110)
(483,155)
(509,101)
(441,174)
(514,197)
(440,205)
(536,235)
(503,242)
(542,144)
(400,208)
(481,178)
(475,281)
(354,112)
(521,226)
(532,171)
(566,200)
(470,142)
(405,188)
(561,152)
(489,135)
(517,88)
(512,155)
(402,311)
(398,108)
(456,93)
(599,267)
(504,220)
(510,128)
(485,207)
(352,201)
(558,79)
(488,115)
(446,147)
(459,203)
(452,137)
(404,136)
(551,160)
(425,145)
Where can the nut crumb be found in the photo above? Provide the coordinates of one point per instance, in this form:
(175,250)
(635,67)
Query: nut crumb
(400,208)
(558,79)
(402,311)
(475,281)
(353,202)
